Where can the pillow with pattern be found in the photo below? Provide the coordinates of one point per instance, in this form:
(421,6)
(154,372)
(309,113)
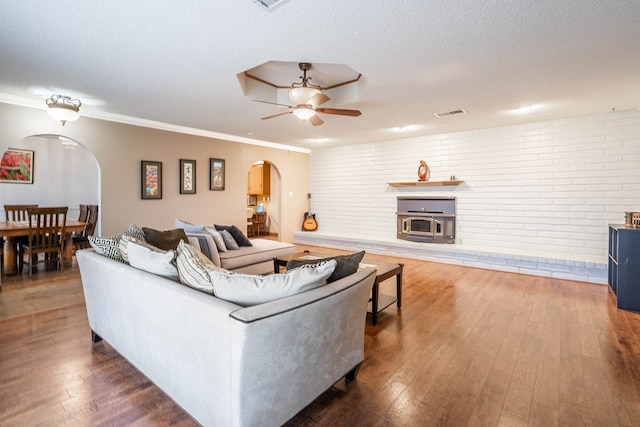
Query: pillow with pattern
(110,246)
(194,268)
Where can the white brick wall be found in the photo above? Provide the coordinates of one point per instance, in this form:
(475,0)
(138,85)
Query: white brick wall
(544,189)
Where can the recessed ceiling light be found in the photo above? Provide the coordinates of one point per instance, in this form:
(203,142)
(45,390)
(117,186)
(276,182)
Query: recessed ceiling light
(526,109)
(450,113)
(269,4)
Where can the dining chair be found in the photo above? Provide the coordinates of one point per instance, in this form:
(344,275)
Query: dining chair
(84,211)
(1,265)
(250,226)
(260,221)
(46,236)
(18,213)
(81,240)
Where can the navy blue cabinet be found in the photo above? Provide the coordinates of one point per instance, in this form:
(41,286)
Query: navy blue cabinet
(624,266)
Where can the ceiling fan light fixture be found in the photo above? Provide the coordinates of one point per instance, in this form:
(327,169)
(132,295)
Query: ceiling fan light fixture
(304,112)
(302,94)
(63,108)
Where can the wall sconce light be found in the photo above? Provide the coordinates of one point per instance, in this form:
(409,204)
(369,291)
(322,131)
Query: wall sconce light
(63,108)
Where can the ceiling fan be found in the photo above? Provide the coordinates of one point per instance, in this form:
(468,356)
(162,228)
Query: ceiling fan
(307,99)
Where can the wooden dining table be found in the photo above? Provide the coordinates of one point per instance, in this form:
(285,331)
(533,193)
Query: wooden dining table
(9,230)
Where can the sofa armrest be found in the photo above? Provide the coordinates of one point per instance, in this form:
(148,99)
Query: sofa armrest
(288,352)
(207,246)
(262,311)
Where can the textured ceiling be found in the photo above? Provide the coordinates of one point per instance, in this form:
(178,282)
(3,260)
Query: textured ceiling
(177,62)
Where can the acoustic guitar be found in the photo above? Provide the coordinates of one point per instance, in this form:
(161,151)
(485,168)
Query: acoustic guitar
(309,222)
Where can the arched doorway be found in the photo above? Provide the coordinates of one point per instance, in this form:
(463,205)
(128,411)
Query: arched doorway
(264,188)
(65,173)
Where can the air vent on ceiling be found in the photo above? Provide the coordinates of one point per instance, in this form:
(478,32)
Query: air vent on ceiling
(450,113)
(270,4)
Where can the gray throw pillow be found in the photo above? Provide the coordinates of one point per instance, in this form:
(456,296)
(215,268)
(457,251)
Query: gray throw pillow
(229,242)
(165,240)
(237,234)
(347,264)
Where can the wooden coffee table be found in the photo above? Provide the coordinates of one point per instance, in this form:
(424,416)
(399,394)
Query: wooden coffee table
(384,271)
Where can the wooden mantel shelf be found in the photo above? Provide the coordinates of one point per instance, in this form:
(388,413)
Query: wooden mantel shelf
(425,183)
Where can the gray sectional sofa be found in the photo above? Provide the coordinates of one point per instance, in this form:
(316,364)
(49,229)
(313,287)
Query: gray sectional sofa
(228,365)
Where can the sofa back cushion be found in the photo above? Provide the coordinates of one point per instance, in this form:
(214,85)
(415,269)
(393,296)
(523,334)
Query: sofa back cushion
(249,289)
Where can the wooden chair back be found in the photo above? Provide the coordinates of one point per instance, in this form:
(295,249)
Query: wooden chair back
(17,212)
(260,222)
(46,236)
(92,220)
(84,211)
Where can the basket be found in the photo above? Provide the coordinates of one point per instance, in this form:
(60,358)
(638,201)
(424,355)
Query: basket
(632,219)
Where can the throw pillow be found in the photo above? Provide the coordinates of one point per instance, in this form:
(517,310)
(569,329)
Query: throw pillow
(123,245)
(188,227)
(154,261)
(247,289)
(194,268)
(229,241)
(347,264)
(110,246)
(217,237)
(237,234)
(165,240)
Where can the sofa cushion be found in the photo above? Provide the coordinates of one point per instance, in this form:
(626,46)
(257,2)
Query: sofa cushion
(167,239)
(194,268)
(110,246)
(261,251)
(249,289)
(347,264)
(146,257)
(237,234)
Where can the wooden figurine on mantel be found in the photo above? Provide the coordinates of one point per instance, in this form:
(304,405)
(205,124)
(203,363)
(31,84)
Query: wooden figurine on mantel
(423,171)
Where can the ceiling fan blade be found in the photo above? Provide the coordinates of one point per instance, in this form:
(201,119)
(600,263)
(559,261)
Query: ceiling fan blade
(339,111)
(318,99)
(315,120)
(273,103)
(276,115)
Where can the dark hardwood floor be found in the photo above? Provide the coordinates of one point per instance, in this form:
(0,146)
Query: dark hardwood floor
(469,347)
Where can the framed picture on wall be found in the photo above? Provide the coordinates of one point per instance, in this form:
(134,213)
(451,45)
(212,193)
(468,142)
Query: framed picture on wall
(216,174)
(16,166)
(187,176)
(151,179)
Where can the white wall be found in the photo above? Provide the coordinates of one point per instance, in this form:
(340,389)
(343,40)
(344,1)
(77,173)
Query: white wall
(547,188)
(61,177)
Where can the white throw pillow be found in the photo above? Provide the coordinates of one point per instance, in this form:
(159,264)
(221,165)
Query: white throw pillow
(188,227)
(247,289)
(154,261)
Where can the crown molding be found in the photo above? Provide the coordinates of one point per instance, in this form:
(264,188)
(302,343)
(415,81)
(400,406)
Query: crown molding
(135,121)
